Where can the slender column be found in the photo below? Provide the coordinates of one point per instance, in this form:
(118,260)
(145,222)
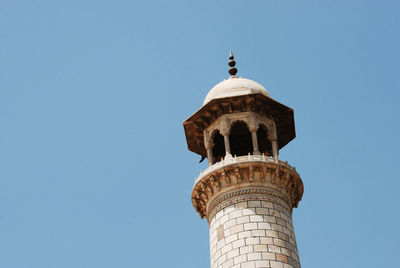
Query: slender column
(253,127)
(227,145)
(275,151)
(224,130)
(255,141)
(208,145)
(210,156)
(273,137)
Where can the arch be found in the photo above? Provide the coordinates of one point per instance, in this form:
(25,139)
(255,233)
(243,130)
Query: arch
(264,145)
(240,139)
(218,149)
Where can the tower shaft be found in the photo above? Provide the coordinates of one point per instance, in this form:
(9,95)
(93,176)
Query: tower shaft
(253,233)
(248,202)
(247,194)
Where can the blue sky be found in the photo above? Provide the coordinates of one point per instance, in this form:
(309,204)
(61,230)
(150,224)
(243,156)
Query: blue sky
(94,169)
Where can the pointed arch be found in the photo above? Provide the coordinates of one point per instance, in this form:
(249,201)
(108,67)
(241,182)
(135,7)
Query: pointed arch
(240,139)
(264,144)
(218,149)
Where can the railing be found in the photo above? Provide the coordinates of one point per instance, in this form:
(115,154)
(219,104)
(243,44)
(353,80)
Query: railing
(242,159)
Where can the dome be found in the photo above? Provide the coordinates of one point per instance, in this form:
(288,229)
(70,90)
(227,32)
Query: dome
(234,86)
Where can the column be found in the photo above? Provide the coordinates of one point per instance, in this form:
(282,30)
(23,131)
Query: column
(253,127)
(227,145)
(275,151)
(225,130)
(208,144)
(210,155)
(273,137)
(255,141)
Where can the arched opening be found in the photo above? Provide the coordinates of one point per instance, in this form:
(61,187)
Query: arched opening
(264,144)
(240,139)
(219,147)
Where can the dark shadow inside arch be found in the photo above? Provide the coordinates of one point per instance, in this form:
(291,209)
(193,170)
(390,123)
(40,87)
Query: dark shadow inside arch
(264,145)
(219,147)
(240,139)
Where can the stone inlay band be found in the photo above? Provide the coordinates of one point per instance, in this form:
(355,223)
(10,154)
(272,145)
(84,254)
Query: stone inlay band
(248,194)
(228,179)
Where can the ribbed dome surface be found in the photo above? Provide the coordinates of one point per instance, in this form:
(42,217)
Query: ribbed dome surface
(234,86)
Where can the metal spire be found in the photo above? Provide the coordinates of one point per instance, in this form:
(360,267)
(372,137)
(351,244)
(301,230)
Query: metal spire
(232,71)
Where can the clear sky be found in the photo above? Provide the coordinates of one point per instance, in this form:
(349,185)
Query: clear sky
(94,168)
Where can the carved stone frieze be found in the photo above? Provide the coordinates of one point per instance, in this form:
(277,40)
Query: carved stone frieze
(247,194)
(250,180)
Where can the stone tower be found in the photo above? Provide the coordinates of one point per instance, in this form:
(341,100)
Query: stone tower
(246,194)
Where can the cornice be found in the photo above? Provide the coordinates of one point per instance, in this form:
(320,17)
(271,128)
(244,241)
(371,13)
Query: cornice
(257,179)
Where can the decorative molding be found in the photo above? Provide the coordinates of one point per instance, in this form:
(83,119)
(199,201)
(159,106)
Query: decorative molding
(247,194)
(265,177)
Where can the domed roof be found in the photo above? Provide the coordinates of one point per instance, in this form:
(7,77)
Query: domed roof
(234,86)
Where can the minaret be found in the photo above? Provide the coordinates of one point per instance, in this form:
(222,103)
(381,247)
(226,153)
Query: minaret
(246,194)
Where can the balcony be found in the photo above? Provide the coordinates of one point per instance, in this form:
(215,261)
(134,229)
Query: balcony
(243,159)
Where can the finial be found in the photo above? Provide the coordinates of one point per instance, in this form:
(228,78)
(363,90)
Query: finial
(232,63)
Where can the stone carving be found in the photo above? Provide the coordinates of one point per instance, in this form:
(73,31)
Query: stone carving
(247,194)
(266,179)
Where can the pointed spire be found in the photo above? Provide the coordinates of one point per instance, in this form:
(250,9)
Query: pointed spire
(232,63)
